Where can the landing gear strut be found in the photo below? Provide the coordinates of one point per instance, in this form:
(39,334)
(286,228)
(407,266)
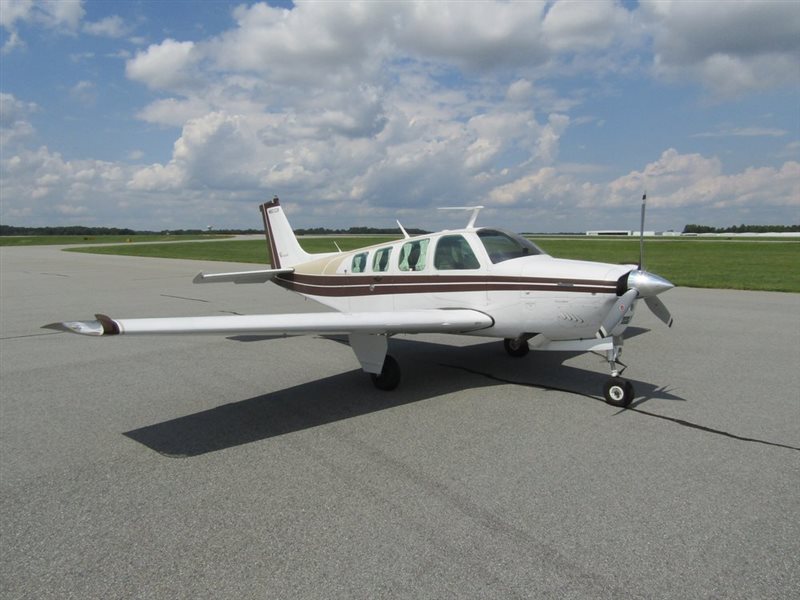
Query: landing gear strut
(617,391)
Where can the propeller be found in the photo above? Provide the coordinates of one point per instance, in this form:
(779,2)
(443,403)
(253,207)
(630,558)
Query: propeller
(634,284)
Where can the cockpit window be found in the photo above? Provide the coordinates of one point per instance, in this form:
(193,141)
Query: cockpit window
(504,245)
(453,252)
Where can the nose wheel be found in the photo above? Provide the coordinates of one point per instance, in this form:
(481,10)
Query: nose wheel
(617,391)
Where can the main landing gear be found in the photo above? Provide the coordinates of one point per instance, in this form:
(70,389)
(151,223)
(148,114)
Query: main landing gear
(516,347)
(389,377)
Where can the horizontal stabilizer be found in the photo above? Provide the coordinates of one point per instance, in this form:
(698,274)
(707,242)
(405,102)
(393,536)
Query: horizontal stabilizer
(377,323)
(260,276)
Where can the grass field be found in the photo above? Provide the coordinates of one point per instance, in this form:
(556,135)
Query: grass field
(733,264)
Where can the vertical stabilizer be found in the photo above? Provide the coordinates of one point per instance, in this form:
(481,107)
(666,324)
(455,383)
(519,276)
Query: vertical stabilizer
(283,245)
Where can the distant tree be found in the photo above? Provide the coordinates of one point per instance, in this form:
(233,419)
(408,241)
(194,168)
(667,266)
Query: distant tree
(692,228)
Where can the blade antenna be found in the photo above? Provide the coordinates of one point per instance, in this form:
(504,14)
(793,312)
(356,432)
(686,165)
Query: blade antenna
(641,233)
(405,233)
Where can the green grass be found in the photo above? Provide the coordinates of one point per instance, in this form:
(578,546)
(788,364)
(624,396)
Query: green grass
(52,240)
(738,264)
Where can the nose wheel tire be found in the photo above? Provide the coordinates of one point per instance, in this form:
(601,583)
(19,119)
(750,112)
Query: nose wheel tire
(389,377)
(618,392)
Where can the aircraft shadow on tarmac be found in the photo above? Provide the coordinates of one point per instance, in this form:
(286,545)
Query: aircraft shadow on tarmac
(352,394)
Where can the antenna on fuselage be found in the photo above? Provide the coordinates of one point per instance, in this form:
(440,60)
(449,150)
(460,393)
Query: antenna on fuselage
(473,217)
(405,233)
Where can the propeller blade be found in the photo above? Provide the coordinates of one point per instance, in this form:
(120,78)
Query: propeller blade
(641,233)
(658,309)
(614,317)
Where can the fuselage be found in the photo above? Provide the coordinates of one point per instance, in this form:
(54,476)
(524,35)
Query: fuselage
(523,289)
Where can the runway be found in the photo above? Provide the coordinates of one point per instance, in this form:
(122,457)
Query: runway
(222,467)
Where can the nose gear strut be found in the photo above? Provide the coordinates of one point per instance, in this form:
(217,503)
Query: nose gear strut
(617,391)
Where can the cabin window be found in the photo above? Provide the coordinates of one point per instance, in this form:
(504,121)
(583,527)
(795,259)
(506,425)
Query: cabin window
(503,245)
(453,252)
(412,255)
(380,262)
(359,263)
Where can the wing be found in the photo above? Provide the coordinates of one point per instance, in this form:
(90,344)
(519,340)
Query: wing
(376,323)
(260,276)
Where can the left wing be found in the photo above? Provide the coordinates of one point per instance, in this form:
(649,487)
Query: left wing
(457,320)
(260,276)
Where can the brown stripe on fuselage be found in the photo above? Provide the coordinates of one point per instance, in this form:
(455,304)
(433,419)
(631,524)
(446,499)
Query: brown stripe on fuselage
(365,285)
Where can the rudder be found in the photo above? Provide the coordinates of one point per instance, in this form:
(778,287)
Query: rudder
(283,245)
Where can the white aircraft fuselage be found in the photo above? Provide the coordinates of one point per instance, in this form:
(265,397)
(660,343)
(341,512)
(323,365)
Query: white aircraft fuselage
(558,298)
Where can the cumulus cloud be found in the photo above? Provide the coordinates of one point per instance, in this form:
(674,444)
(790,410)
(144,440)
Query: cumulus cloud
(14,124)
(386,106)
(62,16)
(580,26)
(111,27)
(730,47)
(164,66)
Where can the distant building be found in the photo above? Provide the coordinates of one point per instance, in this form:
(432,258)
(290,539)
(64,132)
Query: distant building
(626,232)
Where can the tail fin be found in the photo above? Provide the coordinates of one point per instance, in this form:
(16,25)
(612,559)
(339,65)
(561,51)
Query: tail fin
(285,249)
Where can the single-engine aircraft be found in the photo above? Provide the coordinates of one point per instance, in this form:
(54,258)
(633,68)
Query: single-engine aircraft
(477,281)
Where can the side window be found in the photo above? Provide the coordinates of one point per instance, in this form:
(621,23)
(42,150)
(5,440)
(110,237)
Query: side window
(359,263)
(412,255)
(381,261)
(453,252)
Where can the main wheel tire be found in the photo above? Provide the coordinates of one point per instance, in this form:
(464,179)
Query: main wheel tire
(618,392)
(389,377)
(516,348)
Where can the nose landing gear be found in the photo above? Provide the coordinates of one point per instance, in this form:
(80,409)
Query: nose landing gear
(617,391)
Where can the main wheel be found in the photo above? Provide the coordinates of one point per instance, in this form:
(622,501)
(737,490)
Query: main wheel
(516,348)
(389,377)
(618,392)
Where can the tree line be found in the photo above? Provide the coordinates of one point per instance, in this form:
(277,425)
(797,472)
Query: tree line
(96,231)
(742,229)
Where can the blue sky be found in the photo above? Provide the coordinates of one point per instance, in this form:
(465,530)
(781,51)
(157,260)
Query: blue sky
(554,115)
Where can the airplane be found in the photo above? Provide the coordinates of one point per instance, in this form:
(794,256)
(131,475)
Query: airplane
(478,281)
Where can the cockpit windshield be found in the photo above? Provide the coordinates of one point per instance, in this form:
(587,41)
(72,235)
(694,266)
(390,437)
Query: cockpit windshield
(503,245)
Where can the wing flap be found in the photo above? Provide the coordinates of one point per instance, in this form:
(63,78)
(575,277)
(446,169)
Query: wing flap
(376,323)
(260,276)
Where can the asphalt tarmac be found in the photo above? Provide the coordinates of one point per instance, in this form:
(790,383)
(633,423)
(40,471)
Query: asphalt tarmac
(249,467)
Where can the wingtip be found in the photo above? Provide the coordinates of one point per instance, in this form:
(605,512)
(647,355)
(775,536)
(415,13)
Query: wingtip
(103,325)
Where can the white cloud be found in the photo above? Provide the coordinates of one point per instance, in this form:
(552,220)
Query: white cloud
(400,106)
(84,92)
(730,47)
(174,112)
(578,26)
(111,27)
(62,16)
(14,124)
(164,66)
